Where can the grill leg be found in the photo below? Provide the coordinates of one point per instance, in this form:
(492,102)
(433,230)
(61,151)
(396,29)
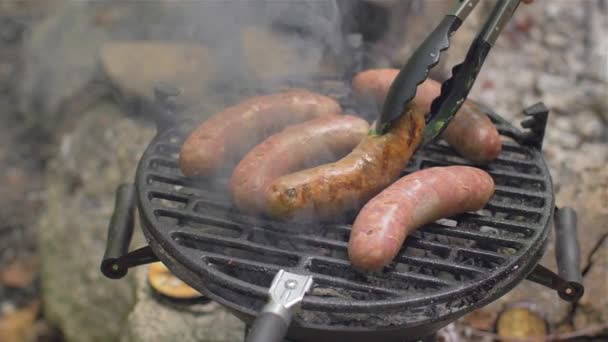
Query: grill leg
(117,259)
(568,283)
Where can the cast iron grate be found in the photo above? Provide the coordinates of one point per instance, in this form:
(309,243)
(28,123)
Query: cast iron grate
(445,269)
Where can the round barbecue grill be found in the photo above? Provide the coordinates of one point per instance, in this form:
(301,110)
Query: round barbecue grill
(444,270)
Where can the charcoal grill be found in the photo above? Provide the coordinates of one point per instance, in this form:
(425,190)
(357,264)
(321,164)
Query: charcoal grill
(445,269)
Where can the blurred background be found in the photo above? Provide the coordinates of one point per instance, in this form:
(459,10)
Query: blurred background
(76,107)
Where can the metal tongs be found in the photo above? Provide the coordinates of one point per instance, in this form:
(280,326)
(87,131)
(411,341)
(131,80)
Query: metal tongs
(456,89)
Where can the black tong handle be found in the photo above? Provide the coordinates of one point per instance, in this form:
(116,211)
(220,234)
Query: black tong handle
(455,90)
(417,68)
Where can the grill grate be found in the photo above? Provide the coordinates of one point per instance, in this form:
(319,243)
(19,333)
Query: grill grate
(446,268)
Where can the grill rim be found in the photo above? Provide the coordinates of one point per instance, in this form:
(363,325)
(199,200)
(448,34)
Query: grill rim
(179,261)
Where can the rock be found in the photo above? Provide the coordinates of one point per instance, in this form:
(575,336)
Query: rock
(592,306)
(562,124)
(94,158)
(556,40)
(589,125)
(550,83)
(135,67)
(100,152)
(274,57)
(569,140)
(153,320)
(60,55)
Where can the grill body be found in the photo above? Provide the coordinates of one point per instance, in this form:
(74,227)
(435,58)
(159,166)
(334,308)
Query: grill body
(445,270)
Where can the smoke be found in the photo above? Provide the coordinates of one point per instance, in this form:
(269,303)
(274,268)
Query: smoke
(251,44)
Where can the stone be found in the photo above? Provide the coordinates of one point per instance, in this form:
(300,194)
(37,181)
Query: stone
(135,67)
(271,56)
(569,140)
(556,40)
(101,152)
(77,297)
(562,123)
(547,82)
(589,125)
(154,320)
(57,68)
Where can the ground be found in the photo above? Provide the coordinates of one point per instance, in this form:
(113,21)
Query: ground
(52,94)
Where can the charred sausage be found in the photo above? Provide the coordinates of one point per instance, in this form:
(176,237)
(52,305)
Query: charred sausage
(328,190)
(295,148)
(223,139)
(414,200)
(470,133)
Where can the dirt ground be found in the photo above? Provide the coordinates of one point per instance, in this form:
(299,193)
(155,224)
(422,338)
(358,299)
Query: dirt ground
(26,146)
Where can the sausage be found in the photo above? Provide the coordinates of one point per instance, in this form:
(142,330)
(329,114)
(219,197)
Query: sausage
(223,139)
(295,148)
(473,135)
(414,200)
(470,133)
(328,190)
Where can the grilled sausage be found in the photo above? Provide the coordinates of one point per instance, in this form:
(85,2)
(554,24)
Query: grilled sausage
(223,139)
(412,201)
(470,133)
(327,191)
(295,148)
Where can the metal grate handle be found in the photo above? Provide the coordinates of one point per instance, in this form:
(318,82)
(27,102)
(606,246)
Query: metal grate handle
(568,251)
(117,260)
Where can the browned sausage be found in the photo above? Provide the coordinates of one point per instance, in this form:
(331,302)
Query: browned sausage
(223,139)
(295,148)
(470,133)
(412,201)
(328,190)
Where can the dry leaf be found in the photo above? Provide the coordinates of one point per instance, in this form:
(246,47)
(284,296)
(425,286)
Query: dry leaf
(163,281)
(18,326)
(20,273)
(520,322)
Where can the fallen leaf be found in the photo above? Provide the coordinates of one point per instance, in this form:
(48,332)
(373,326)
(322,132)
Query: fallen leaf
(18,326)
(162,280)
(519,322)
(20,273)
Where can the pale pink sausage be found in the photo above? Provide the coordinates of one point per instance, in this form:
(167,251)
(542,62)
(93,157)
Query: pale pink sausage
(411,202)
(223,139)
